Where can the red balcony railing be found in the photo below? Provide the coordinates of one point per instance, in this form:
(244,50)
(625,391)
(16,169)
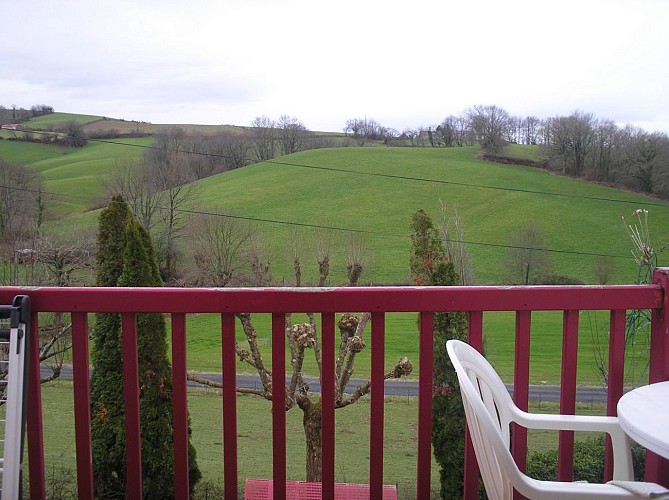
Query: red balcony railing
(279,301)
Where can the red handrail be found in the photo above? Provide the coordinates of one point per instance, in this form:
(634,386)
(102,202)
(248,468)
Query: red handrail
(329,301)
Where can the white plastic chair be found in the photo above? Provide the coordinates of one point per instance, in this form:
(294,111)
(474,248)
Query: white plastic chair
(490,411)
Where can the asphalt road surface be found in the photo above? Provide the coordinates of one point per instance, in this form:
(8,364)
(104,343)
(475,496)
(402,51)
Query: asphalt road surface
(401,388)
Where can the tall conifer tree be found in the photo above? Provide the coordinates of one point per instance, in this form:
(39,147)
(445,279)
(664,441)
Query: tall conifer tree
(138,268)
(429,266)
(448,414)
(107,405)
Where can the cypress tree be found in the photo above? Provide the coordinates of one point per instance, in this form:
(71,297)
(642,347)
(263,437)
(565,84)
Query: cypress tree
(107,404)
(429,266)
(138,268)
(427,249)
(448,415)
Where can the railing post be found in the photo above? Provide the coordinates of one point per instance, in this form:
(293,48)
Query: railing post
(521,387)
(471,479)
(657,468)
(279,405)
(328,407)
(616,378)
(82,405)
(376,421)
(659,340)
(426,356)
(133,437)
(229,373)
(568,392)
(34,417)
(180,407)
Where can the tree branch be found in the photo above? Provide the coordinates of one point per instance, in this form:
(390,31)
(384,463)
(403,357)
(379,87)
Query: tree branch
(403,367)
(317,350)
(252,338)
(242,390)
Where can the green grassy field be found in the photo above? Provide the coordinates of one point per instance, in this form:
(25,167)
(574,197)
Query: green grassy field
(55,120)
(524,152)
(255,442)
(375,191)
(125,127)
(366,199)
(204,346)
(73,177)
(254,438)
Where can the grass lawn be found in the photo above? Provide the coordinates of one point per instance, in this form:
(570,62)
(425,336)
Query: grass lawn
(375,191)
(203,345)
(26,153)
(525,152)
(254,439)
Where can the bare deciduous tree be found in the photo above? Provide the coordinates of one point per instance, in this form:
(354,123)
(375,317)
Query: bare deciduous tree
(490,125)
(301,338)
(456,249)
(220,249)
(173,183)
(21,212)
(263,138)
(130,178)
(65,257)
(291,134)
(357,257)
(527,259)
(604,269)
(571,140)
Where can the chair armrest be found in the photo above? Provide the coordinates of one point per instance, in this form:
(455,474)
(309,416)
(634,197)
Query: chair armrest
(622,454)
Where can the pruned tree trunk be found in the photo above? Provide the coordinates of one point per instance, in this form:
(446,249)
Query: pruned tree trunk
(312,433)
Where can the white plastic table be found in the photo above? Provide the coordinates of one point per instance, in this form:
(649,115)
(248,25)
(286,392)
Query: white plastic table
(643,414)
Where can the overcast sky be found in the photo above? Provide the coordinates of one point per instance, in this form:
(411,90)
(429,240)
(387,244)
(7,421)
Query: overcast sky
(404,64)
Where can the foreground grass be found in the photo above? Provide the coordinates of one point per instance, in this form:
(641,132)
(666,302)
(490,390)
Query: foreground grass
(254,438)
(255,443)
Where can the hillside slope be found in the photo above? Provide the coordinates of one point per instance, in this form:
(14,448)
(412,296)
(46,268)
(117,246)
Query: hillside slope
(381,188)
(370,194)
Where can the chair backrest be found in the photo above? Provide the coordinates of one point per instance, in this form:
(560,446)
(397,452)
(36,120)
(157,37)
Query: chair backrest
(488,408)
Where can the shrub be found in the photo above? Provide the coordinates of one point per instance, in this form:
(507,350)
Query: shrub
(588,462)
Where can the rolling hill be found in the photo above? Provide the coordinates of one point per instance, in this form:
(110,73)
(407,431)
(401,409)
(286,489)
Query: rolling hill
(375,191)
(345,195)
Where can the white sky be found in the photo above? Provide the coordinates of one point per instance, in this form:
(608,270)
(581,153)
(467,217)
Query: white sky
(404,64)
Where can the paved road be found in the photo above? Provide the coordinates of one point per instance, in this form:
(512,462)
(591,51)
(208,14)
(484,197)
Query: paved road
(402,388)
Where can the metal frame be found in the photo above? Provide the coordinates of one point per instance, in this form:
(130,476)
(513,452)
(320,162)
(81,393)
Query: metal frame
(14,391)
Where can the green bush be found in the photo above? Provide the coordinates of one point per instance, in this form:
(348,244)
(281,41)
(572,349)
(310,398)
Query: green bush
(588,462)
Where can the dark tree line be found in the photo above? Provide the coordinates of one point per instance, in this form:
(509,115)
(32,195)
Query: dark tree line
(578,145)
(15,114)
(362,129)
